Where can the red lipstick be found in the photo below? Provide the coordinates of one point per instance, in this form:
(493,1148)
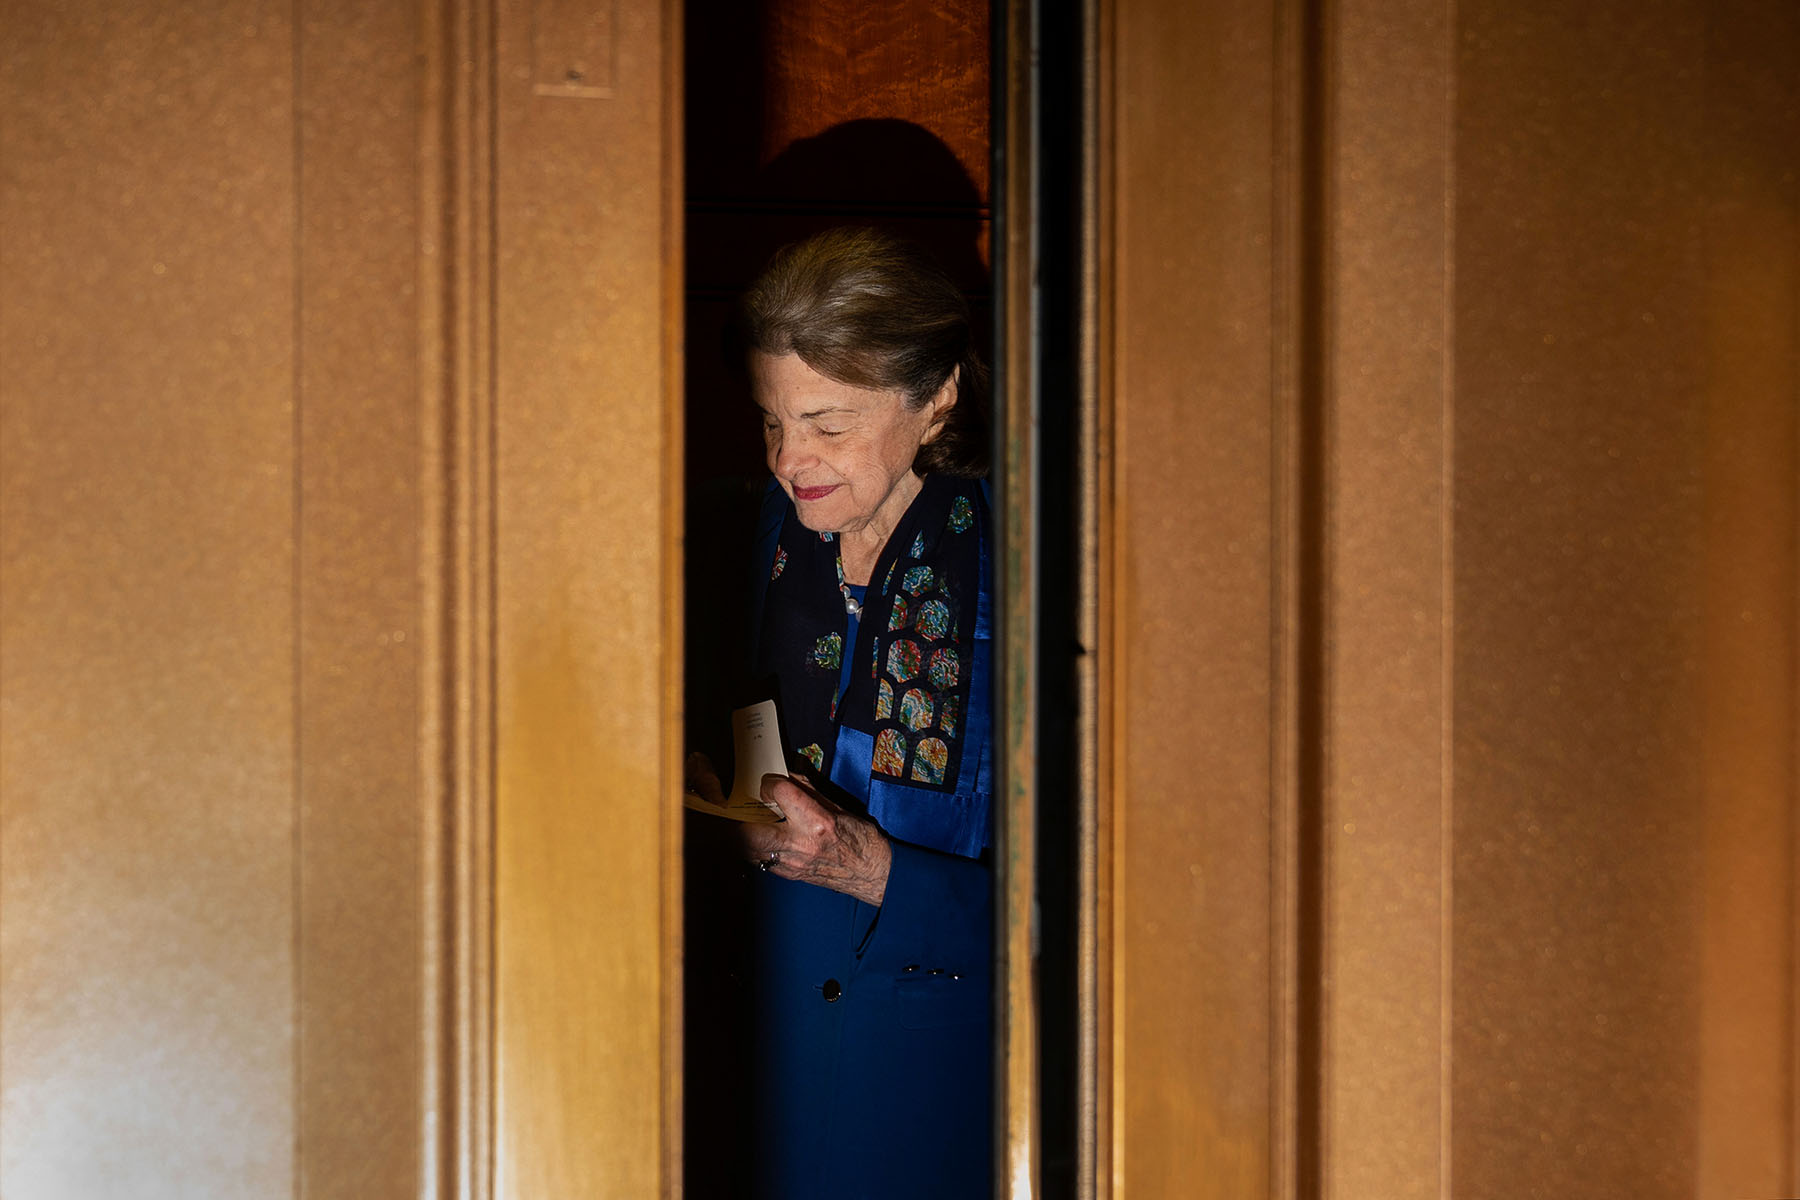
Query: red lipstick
(814,493)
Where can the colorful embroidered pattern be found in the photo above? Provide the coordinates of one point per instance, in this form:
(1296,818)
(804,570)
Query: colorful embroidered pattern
(903,661)
(890,753)
(915,709)
(962,515)
(933,620)
(918,710)
(929,760)
(921,671)
(945,669)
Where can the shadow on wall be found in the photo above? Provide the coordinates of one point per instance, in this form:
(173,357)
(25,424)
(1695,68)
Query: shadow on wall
(888,173)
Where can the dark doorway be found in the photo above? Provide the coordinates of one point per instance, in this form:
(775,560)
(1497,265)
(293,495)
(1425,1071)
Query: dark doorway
(800,115)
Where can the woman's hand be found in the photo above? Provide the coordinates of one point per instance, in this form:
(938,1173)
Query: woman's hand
(819,843)
(702,780)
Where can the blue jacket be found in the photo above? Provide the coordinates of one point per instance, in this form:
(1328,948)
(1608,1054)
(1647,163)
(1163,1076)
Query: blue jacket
(872,1074)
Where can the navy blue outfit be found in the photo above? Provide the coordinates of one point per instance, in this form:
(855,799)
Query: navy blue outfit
(873,1068)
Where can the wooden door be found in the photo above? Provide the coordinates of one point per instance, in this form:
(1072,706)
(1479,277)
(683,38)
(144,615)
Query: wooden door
(1447,545)
(337,528)
(1446,479)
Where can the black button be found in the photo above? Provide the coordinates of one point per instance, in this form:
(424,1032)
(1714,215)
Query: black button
(911,967)
(832,990)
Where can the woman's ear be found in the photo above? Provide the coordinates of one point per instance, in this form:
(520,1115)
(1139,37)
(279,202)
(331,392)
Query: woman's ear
(939,406)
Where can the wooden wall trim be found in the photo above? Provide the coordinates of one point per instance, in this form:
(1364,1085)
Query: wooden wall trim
(1294,317)
(1186,382)
(1015,384)
(457,239)
(673,364)
(1448,359)
(278,312)
(587,660)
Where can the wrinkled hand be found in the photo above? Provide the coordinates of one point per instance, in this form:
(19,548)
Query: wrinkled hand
(819,842)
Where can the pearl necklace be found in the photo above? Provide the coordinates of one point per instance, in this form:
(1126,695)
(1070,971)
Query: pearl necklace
(851,605)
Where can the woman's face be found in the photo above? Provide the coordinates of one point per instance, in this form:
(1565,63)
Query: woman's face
(843,454)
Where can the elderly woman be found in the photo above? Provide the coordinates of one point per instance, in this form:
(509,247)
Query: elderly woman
(871,979)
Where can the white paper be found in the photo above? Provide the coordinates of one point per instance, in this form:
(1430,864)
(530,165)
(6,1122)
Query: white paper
(756,740)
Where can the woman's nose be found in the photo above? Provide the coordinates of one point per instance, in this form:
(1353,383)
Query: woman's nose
(789,454)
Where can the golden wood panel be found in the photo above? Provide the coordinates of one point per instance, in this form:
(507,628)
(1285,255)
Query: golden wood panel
(1604,430)
(1189,293)
(217,603)
(588,652)
(147,735)
(1556,620)
(1385,617)
(364,812)
(1747,1037)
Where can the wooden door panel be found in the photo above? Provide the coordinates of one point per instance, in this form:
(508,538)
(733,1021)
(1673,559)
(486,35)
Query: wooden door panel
(587,620)
(1492,570)
(146,657)
(248,426)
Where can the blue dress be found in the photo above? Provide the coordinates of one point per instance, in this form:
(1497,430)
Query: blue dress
(872,1075)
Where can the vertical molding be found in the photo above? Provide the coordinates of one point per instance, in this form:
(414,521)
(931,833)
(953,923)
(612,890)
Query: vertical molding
(1015,394)
(672,543)
(1447,630)
(1311,628)
(297,801)
(1110,566)
(1294,1059)
(456,375)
